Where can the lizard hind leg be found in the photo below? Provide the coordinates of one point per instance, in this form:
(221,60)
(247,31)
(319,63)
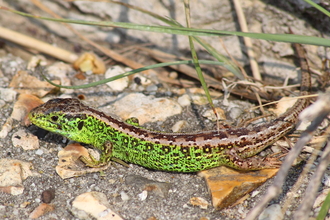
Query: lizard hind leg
(251,163)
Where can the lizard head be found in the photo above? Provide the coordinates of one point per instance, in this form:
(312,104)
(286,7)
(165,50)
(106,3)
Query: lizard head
(60,116)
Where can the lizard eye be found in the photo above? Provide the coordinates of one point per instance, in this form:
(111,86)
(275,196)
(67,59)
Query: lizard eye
(80,125)
(54,118)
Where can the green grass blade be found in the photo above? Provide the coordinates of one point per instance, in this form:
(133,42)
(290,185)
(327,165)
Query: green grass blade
(211,62)
(229,64)
(324,209)
(195,57)
(318,7)
(290,38)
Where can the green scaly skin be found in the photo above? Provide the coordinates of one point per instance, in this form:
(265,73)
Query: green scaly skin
(78,122)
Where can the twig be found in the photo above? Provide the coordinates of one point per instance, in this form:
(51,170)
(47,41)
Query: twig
(247,41)
(313,186)
(38,45)
(304,173)
(320,109)
(275,189)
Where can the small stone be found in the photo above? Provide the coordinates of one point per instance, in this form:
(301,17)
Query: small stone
(37,60)
(26,140)
(89,62)
(24,204)
(198,201)
(184,100)
(211,116)
(179,125)
(93,204)
(254,193)
(112,181)
(326,180)
(48,195)
(39,152)
(173,75)
(277,148)
(235,112)
(6,128)
(12,174)
(124,196)
(119,84)
(321,197)
(272,212)
(143,195)
(142,80)
(41,210)
(151,88)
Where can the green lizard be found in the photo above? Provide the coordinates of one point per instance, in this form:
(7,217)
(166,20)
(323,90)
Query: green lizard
(188,152)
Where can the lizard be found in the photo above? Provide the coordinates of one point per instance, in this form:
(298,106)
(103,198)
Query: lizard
(179,152)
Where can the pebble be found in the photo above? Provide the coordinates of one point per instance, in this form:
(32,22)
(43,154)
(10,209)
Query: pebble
(151,88)
(179,125)
(93,205)
(48,195)
(119,84)
(198,201)
(39,152)
(25,140)
(124,196)
(211,116)
(143,195)
(142,80)
(235,112)
(184,100)
(272,212)
(12,174)
(41,210)
(326,180)
(321,197)
(254,193)
(89,62)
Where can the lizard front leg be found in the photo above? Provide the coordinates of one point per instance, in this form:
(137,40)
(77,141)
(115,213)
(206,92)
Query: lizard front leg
(105,157)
